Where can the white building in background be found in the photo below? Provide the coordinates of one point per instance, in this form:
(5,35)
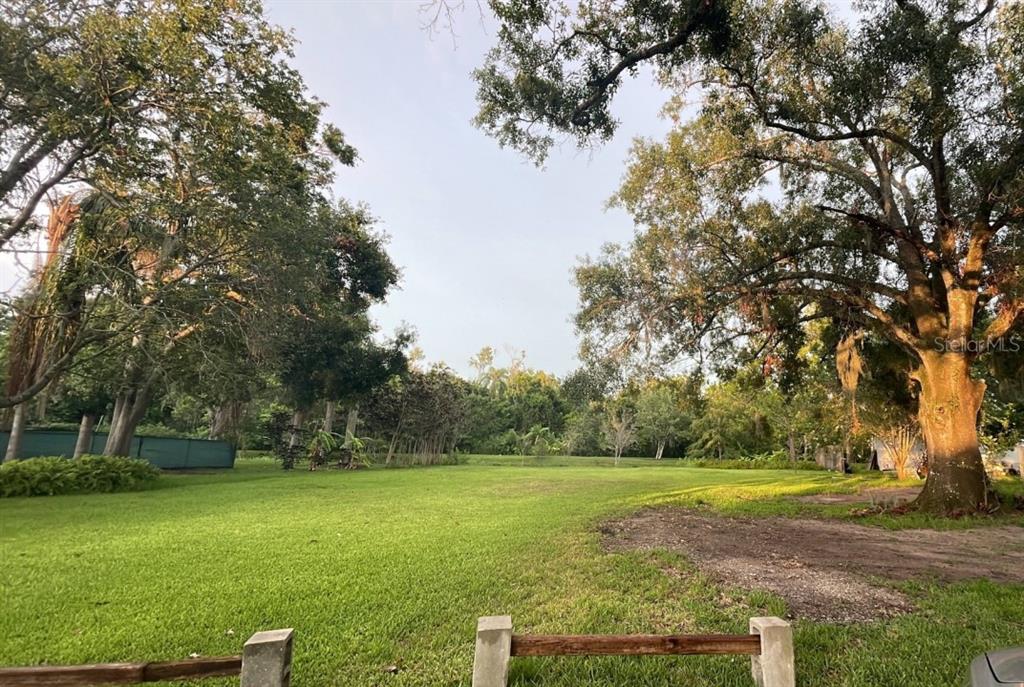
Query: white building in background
(882,458)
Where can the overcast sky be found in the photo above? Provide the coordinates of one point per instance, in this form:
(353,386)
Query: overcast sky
(486,241)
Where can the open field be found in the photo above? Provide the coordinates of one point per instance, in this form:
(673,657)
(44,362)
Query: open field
(388,569)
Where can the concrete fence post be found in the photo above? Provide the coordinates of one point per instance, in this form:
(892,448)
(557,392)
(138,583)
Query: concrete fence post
(775,667)
(493,650)
(267,659)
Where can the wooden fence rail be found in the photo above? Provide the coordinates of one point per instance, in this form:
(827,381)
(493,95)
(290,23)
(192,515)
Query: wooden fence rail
(120,673)
(265,662)
(769,645)
(633,645)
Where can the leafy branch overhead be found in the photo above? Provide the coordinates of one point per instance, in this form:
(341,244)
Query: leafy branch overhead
(91,90)
(554,72)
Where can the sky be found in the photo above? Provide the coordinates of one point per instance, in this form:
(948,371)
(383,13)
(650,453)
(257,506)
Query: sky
(486,240)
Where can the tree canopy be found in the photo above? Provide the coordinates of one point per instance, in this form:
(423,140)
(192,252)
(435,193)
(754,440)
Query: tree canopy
(193,218)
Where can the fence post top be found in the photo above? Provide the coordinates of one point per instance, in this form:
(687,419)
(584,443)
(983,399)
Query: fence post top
(494,622)
(759,623)
(271,637)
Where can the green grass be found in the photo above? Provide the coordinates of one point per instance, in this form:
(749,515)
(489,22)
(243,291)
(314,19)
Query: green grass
(625,462)
(376,568)
(569,461)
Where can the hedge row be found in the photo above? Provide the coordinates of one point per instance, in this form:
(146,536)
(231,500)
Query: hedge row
(48,476)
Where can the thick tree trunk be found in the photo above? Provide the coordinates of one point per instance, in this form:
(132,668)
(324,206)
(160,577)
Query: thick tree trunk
(330,411)
(120,439)
(948,413)
(85,429)
(129,409)
(17,431)
(118,425)
(661,450)
(225,420)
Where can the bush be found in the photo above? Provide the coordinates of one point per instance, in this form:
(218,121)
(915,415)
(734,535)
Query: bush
(765,461)
(48,476)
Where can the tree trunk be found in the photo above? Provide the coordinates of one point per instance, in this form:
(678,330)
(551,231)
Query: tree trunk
(330,411)
(792,448)
(17,431)
(129,409)
(661,450)
(84,442)
(42,402)
(296,432)
(350,426)
(115,420)
(948,407)
(225,420)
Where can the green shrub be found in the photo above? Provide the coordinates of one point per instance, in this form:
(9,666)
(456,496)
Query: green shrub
(48,476)
(765,461)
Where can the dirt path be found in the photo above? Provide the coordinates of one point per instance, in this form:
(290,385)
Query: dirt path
(823,568)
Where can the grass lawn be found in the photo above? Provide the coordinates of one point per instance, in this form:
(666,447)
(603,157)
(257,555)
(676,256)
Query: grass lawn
(379,568)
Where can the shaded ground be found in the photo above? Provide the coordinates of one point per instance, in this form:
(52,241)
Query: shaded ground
(823,568)
(879,495)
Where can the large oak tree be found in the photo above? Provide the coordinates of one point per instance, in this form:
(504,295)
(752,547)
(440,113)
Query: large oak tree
(869,173)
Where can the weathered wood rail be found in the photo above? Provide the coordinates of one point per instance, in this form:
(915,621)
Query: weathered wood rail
(265,662)
(633,645)
(121,673)
(769,645)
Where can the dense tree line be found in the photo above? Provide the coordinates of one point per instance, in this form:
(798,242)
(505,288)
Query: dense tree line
(786,408)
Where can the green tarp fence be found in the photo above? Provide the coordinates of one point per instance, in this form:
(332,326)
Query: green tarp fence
(163,452)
